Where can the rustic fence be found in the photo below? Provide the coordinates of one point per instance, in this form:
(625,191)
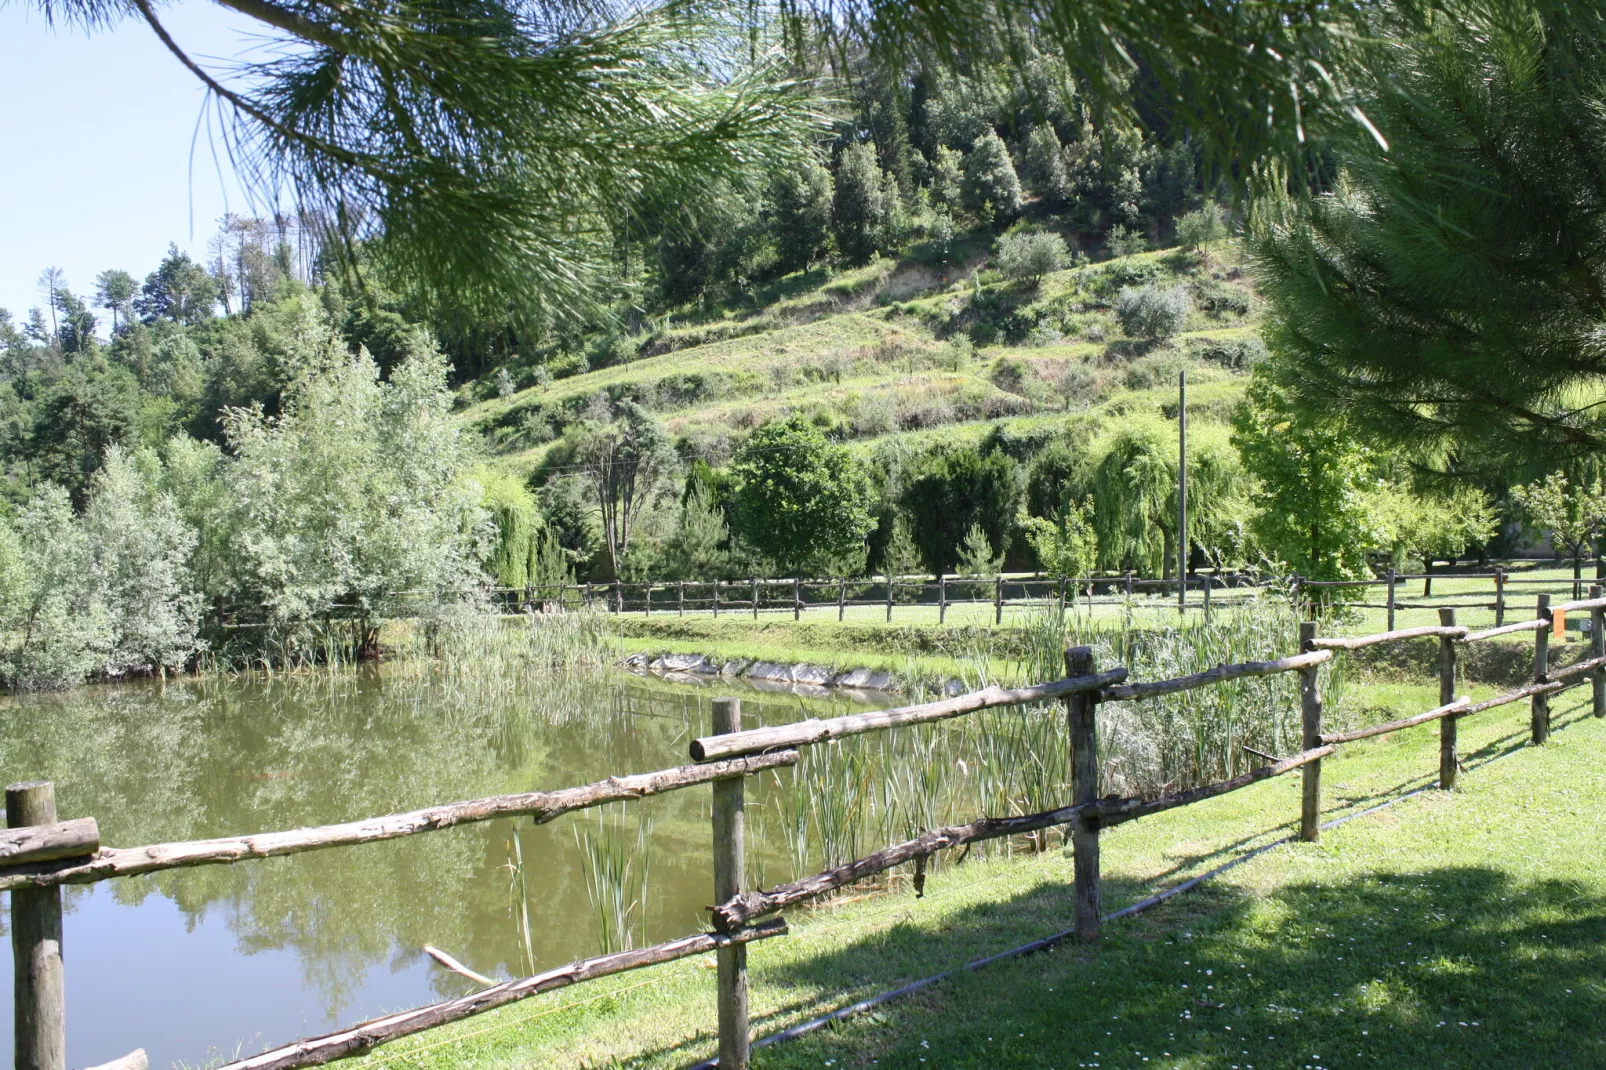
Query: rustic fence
(38,854)
(1491,593)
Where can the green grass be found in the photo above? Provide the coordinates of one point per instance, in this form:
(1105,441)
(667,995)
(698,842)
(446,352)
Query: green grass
(1380,946)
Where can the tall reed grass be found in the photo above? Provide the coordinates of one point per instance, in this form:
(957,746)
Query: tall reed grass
(854,795)
(615,859)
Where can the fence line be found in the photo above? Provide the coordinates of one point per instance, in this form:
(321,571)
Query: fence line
(725,760)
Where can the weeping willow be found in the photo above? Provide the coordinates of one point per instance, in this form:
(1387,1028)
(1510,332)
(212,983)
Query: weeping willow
(1134,491)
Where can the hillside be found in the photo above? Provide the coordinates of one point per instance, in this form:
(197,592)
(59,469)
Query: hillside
(900,349)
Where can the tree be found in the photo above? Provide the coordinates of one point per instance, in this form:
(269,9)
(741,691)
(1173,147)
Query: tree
(1123,241)
(956,488)
(1027,257)
(1311,479)
(1153,312)
(57,631)
(1442,296)
(76,334)
(179,290)
(1572,511)
(976,557)
(1045,164)
(515,554)
(900,557)
(699,547)
(1437,526)
(1065,541)
(799,499)
(51,280)
(1201,227)
(89,409)
(626,459)
(115,291)
(357,496)
(948,179)
(139,546)
(803,195)
(860,208)
(990,179)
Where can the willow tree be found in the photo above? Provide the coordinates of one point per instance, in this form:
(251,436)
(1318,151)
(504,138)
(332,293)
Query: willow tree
(1446,295)
(1134,494)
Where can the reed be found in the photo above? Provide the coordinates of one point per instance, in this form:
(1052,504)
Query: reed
(616,862)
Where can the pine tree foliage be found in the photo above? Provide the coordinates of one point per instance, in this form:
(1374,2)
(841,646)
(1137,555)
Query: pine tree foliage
(1445,295)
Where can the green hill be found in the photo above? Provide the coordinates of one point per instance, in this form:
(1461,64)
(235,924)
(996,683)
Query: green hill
(899,349)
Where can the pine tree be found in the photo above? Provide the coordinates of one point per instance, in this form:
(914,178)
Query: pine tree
(1045,164)
(860,206)
(802,195)
(990,179)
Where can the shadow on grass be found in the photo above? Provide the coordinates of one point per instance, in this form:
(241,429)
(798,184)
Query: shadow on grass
(1452,966)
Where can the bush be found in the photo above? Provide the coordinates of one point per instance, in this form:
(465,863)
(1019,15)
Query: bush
(1240,354)
(1219,299)
(1201,227)
(1028,257)
(1124,242)
(1153,312)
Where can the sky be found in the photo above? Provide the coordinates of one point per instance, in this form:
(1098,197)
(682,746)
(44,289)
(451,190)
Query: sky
(96,133)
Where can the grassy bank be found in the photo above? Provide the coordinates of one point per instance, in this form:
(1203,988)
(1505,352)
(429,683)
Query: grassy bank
(1449,930)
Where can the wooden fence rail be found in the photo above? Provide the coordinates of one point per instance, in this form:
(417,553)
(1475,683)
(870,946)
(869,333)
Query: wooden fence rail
(38,853)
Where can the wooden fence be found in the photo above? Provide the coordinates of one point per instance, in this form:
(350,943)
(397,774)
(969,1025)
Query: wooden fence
(38,853)
(1199,592)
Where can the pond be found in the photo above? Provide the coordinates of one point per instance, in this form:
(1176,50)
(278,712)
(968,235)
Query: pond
(197,965)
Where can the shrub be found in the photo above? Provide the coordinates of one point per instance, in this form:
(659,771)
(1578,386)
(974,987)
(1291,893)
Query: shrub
(1201,227)
(1028,257)
(1219,299)
(1153,312)
(1240,354)
(1124,242)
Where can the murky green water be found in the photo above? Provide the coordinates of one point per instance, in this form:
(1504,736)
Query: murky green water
(197,964)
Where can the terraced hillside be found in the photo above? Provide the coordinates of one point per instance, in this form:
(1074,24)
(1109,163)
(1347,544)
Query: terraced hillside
(901,349)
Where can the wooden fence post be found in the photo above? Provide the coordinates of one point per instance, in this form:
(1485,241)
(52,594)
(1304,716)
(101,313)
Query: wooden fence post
(1499,597)
(942,598)
(1081,709)
(797,598)
(841,598)
(889,598)
(1390,627)
(716,599)
(39,995)
(680,596)
(729,860)
(755,597)
(998,599)
(1597,648)
(1310,709)
(1447,725)
(1541,702)
(647,604)
(1129,584)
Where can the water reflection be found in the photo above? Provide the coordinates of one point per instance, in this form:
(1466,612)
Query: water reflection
(224,959)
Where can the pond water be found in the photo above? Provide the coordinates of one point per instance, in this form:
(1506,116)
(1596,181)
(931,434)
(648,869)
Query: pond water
(194,965)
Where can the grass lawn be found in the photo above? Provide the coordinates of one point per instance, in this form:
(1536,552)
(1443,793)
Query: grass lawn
(1464,929)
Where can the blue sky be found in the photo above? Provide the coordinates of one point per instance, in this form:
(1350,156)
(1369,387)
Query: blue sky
(95,139)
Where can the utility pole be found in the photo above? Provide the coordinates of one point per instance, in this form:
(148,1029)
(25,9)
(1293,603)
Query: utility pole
(1182,491)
